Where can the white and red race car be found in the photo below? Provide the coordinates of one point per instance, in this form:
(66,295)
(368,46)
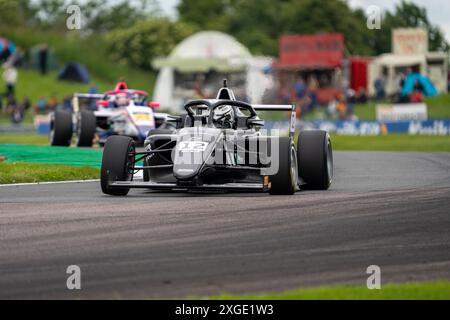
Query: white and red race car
(122,111)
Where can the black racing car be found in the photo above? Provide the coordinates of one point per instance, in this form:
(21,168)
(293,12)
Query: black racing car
(220,145)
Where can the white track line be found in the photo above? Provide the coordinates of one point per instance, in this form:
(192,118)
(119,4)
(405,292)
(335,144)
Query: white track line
(50,182)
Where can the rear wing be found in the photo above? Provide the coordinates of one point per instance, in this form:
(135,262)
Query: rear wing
(91,98)
(280,107)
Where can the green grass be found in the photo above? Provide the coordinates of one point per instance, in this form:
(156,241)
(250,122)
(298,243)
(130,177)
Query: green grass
(90,51)
(392,142)
(439,290)
(29,172)
(33,85)
(32,139)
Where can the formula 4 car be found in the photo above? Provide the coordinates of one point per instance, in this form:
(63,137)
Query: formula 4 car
(221,145)
(119,112)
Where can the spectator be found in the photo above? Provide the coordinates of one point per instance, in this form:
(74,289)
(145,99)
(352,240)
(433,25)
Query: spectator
(313,85)
(41,107)
(299,88)
(93,89)
(379,89)
(43,59)
(361,96)
(26,104)
(352,99)
(341,107)
(284,94)
(52,103)
(15,112)
(10,78)
(417,94)
(67,103)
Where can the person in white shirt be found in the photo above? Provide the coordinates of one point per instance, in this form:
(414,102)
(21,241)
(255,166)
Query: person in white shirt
(10,78)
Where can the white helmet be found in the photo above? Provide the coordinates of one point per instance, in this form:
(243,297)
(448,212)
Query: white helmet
(224,116)
(122,100)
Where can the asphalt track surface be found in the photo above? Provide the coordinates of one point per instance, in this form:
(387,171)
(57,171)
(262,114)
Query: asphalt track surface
(385,209)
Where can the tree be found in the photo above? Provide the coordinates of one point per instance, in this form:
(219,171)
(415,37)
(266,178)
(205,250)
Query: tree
(258,24)
(408,15)
(206,14)
(145,41)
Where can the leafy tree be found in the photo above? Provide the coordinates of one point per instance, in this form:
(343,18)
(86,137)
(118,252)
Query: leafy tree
(14,13)
(258,24)
(320,16)
(145,41)
(206,14)
(408,15)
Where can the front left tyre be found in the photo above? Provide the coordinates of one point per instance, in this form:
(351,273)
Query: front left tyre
(117,163)
(61,128)
(285,181)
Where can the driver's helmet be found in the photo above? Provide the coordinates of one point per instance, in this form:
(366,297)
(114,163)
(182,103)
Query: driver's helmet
(224,116)
(122,100)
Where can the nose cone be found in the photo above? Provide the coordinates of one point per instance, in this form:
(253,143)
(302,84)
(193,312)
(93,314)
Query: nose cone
(194,147)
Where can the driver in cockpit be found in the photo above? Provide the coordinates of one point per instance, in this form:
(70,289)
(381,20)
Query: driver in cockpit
(224,117)
(122,100)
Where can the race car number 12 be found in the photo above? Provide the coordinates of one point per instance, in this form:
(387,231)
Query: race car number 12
(193,146)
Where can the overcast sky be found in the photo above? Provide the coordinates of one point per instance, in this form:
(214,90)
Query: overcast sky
(438,10)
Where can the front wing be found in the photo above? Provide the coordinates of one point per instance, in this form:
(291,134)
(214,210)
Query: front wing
(241,187)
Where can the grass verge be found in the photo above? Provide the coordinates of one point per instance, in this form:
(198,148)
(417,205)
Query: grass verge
(30,172)
(32,139)
(439,290)
(392,142)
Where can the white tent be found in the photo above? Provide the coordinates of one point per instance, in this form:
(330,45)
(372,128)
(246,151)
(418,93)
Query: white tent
(204,52)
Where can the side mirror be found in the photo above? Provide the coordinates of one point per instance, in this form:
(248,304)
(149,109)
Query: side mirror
(255,122)
(154,104)
(102,103)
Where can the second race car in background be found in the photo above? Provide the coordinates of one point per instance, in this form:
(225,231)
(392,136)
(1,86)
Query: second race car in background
(122,111)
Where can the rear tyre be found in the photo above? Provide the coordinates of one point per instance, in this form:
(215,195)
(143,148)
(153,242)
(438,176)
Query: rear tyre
(115,164)
(315,159)
(61,129)
(285,181)
(86,128)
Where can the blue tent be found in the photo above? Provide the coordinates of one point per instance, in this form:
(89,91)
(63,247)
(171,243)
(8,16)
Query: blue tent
(74,72)
(428,88)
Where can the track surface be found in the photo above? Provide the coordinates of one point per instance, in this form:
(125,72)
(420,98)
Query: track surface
(387,209)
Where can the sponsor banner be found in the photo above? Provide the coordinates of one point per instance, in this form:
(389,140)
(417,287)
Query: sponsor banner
(410,41)
(428,127)
(402,112)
